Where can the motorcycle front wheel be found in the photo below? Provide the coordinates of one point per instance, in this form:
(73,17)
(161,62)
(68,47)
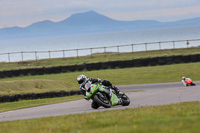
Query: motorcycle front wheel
(102,100)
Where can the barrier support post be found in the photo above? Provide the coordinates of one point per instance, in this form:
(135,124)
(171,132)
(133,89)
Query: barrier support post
(49,54)
(22,56)
(187,44)
(91,52)
(63,53)
(118,49)
(159,45)
(77,53)
(132,48)
(174,44)
(36,55)
(9,57)
(145,46)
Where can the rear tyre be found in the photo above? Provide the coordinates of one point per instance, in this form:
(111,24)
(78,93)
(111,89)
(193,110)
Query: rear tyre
(193,84)
(102,100)
(125,100)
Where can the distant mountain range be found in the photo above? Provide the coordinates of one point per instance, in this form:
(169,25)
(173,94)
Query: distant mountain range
(87,23)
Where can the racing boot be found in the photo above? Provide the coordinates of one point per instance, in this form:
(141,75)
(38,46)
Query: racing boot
(118,93)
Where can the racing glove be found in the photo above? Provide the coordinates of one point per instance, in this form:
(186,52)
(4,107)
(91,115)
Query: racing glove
(86,98)
(99,80)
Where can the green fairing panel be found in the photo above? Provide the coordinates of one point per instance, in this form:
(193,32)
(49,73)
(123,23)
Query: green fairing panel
(94,89)
(114,100)
(88,95)
(102,89)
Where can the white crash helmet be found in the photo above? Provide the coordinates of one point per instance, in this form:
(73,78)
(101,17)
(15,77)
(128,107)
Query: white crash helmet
(183,78)
(81,79)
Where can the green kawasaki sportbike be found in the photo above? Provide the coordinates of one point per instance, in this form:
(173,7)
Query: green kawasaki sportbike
(105,96)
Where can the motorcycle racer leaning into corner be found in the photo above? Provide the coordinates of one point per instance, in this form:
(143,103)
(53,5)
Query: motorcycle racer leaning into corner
(187,81)
(82,80)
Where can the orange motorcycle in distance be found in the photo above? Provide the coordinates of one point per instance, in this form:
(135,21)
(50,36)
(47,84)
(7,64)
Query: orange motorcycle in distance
(187,82)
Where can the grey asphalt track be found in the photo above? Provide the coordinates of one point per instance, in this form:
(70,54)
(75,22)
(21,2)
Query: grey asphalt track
(151,94)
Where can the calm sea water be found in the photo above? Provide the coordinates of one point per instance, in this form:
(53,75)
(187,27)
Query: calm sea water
(95,40)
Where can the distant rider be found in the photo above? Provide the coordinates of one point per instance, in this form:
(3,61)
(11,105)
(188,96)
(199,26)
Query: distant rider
(82,80)
(187,81)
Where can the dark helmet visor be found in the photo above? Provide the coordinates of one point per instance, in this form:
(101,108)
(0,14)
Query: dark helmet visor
(81,81)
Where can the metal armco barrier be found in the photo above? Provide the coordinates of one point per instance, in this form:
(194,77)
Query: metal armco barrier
(165,60)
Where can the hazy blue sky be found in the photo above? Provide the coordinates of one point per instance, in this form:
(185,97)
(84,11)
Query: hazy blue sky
(25,12)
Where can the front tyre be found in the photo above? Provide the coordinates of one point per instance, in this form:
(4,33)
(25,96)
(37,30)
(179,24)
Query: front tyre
(102,100)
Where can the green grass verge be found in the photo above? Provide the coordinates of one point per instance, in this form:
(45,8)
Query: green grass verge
(38,102)
(175,118)
(97,58)
(67,81)
(32,85)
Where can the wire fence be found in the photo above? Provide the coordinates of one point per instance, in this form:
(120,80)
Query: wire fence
(37,55)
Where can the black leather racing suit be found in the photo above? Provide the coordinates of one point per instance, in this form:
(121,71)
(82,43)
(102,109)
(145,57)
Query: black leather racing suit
(92,81)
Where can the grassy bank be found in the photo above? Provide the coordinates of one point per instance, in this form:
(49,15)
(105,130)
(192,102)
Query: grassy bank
(67,81)
(97,58)
(181,117)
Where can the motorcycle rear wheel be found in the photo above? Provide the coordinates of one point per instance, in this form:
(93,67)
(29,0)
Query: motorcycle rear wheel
(125,100)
